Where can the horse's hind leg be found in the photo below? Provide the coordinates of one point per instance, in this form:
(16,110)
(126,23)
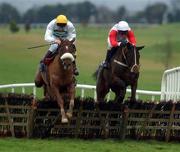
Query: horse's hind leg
(133,92)
(38,79)
(101,85)
(47,94)
(101,90)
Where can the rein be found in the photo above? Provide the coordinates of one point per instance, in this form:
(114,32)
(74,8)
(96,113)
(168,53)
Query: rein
(135,64)
(65,55)
(121,63)
(126,64)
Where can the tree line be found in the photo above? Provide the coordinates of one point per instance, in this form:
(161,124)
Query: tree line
(87,12)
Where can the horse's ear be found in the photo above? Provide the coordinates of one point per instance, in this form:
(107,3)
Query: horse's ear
(139,47)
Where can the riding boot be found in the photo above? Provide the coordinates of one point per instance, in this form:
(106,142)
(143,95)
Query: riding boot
(109,55)
(43,61)
(106,62)
(76,72)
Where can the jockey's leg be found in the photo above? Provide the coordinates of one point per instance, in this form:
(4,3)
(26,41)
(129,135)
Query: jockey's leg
(48,54)
(109,55)
(43,61)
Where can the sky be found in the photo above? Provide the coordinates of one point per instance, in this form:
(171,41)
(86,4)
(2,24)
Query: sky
(131,5)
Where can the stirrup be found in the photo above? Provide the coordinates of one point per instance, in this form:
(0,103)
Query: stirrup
(105,65)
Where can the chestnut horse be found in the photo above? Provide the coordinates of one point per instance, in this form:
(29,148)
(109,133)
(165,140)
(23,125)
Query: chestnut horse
(123,71)
(59,78)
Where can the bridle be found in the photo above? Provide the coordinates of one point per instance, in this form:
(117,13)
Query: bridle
(135,60)
(126,61)
(66,55)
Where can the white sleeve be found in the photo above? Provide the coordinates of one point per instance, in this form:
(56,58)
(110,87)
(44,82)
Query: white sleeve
(71,32)
(49,32)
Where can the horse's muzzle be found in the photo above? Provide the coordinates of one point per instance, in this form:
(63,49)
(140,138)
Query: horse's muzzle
(66,66)
(135,68)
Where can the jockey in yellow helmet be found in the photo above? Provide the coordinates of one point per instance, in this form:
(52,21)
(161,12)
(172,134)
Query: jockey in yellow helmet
(58,29)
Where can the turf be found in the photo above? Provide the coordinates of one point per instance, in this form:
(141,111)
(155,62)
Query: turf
(77,145)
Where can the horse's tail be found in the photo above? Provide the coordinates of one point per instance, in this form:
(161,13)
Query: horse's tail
(94,75)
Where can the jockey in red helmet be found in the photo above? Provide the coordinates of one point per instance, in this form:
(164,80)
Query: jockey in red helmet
(119,35)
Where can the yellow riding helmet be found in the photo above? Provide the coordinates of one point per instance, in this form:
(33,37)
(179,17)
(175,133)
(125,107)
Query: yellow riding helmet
(61,19)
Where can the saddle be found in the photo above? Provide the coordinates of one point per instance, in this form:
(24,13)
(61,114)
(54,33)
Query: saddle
(48,60)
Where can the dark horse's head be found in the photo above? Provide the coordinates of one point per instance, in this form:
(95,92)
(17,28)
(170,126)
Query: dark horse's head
(66,52)
(130,56)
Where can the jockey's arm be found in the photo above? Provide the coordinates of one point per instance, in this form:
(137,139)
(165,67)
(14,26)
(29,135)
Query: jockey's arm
(49,32)
(131,37)
(71,32)
(113,38)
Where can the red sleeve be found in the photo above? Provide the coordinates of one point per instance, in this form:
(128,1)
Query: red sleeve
(113,38)
(131,37)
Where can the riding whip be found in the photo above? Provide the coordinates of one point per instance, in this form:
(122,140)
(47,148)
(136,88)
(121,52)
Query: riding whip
(43,45)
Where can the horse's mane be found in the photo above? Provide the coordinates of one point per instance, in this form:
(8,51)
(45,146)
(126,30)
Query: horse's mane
(68,43)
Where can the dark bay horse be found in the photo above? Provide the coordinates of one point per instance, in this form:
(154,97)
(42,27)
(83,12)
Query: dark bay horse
(59,78)
(123,71)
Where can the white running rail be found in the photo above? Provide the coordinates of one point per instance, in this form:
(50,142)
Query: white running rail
(170,85)
(82,87)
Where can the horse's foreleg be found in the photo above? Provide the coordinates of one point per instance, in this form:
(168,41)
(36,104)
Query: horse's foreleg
(119,87)
(133,92)
(120,95)
(71,104)
(61,104)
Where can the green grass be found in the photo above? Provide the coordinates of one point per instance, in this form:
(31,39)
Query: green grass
(77,145)
(19,64)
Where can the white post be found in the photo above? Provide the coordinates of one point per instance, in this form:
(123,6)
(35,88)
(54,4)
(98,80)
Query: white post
(82,93)
(34,92)
(23,90)
(153,98)
(95,95)
(12,90)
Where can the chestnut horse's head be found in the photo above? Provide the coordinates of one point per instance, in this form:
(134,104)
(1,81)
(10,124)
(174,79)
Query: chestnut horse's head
(66,52)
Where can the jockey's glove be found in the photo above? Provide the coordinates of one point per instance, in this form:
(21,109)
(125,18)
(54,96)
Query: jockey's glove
(124,41)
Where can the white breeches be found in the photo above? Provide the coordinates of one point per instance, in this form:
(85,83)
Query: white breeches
(53,47)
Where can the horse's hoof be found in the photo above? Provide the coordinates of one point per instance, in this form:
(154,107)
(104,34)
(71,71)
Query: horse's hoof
(69,115)
(64,120)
